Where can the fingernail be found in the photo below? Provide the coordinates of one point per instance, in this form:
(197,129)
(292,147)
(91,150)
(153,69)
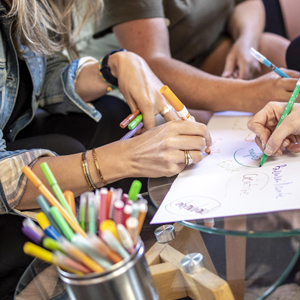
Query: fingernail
(268,151)
(263,144)
(285,144)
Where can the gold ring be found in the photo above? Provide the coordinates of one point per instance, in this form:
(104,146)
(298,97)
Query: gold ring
(188,158)
(166,109)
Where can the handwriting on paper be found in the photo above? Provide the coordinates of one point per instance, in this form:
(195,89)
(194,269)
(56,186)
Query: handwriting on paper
(229,166)
(248,157)
(280,184)
(192,205)
(246,184)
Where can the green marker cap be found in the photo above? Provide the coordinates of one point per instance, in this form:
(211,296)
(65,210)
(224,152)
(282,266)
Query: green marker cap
(134,190)
(62,223)
(50,244)
(138,119)
(48,174)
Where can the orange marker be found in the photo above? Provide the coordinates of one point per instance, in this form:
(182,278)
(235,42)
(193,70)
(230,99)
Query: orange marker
(52,200)
(143,211)
(176,103)
(128,119)
(69,196)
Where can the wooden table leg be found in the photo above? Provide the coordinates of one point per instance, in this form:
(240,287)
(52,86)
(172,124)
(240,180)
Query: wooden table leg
(236,257)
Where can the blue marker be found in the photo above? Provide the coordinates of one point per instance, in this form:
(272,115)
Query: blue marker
(267,63)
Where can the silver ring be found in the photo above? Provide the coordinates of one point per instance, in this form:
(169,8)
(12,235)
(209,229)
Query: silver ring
(188,158)
(166,109)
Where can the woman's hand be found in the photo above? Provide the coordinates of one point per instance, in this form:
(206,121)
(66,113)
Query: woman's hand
(139,86)
(157,152)
(240,63)
(270,140)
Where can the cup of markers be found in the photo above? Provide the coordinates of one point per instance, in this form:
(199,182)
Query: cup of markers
(98,251)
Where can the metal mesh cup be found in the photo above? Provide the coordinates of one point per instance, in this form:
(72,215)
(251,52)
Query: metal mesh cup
(128,279)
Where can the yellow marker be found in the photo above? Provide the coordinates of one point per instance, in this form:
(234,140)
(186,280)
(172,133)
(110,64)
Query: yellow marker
(110,225)
(45,255)
(42,220)
(52,200)
(181,110)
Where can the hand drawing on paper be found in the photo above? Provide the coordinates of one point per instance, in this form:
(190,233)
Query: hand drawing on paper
(192,205)
(248,157)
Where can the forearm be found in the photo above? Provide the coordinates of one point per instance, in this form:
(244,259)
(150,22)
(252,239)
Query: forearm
(247,21)
(200,90)
(69,173)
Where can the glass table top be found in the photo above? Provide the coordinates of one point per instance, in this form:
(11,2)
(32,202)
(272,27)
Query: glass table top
(273,224)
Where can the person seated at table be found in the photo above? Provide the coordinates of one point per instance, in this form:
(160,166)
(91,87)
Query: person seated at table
(185,44)
(34,73)
(287,136)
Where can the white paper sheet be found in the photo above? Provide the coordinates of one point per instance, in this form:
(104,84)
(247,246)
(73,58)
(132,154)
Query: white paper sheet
(229,181)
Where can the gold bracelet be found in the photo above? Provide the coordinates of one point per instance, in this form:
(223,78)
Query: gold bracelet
(86,171)
(97,167)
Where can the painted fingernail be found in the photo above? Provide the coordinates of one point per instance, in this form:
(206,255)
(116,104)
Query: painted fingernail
(268,151)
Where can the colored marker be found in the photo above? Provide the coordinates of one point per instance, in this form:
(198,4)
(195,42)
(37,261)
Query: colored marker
(135,122)
(47,256)
(125,238)
(132,132)
(132,227)
(56,189)
(109,200)
(61,222)
(135,210)
(109,225)
(69,196)
(51,199)
(267,63)
(82,210)
(113,243)
(134,190)
(45,224)
(83,245)
(50,244)
(285,113)
(92,212)
(181,110)
(79,255)
(142,215)
(118,212)
(127,213)
(103,204)
(103,249)
(128,119)
(46,210)
(32,235)
(29,223)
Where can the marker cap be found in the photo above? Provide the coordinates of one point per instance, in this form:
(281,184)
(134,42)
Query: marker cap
(134,190)
(171,98)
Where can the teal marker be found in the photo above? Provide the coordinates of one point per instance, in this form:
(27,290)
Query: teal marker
(286,111)
(135,122)
(134,190)
(55,188)
(62,223)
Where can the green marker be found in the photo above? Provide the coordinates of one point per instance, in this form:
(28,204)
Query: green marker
(134,190)
(50,244)
(82,210)
(135,122)
(286,111)
(55,188)
(62,223)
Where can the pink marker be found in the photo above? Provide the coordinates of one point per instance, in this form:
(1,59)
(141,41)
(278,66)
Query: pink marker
(118,214)
(125,198)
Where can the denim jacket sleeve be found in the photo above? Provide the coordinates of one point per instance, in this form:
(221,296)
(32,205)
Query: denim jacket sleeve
(12,179)
(58,92)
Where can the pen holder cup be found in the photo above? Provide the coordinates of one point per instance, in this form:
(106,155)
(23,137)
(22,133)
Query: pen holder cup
(128,279)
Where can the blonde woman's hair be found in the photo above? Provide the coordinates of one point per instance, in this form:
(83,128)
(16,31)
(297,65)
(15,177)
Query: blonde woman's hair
(46,26)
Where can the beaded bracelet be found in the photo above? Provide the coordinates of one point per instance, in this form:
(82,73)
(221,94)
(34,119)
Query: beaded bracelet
(86,171)
(97,167)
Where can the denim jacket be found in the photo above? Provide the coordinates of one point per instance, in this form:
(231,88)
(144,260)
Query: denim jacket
(53,90)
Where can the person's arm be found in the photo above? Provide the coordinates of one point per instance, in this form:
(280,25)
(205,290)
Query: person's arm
(245,25)
(287,135)
(158,152)
(197,89)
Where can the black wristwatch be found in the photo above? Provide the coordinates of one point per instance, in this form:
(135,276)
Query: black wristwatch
(105,71)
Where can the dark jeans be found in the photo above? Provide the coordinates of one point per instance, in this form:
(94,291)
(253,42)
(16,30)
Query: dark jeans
(63,134)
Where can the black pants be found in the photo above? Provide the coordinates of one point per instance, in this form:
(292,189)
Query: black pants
(293,55)
(63,134)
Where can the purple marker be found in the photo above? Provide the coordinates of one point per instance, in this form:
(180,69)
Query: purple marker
(32,235)
(132,132)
